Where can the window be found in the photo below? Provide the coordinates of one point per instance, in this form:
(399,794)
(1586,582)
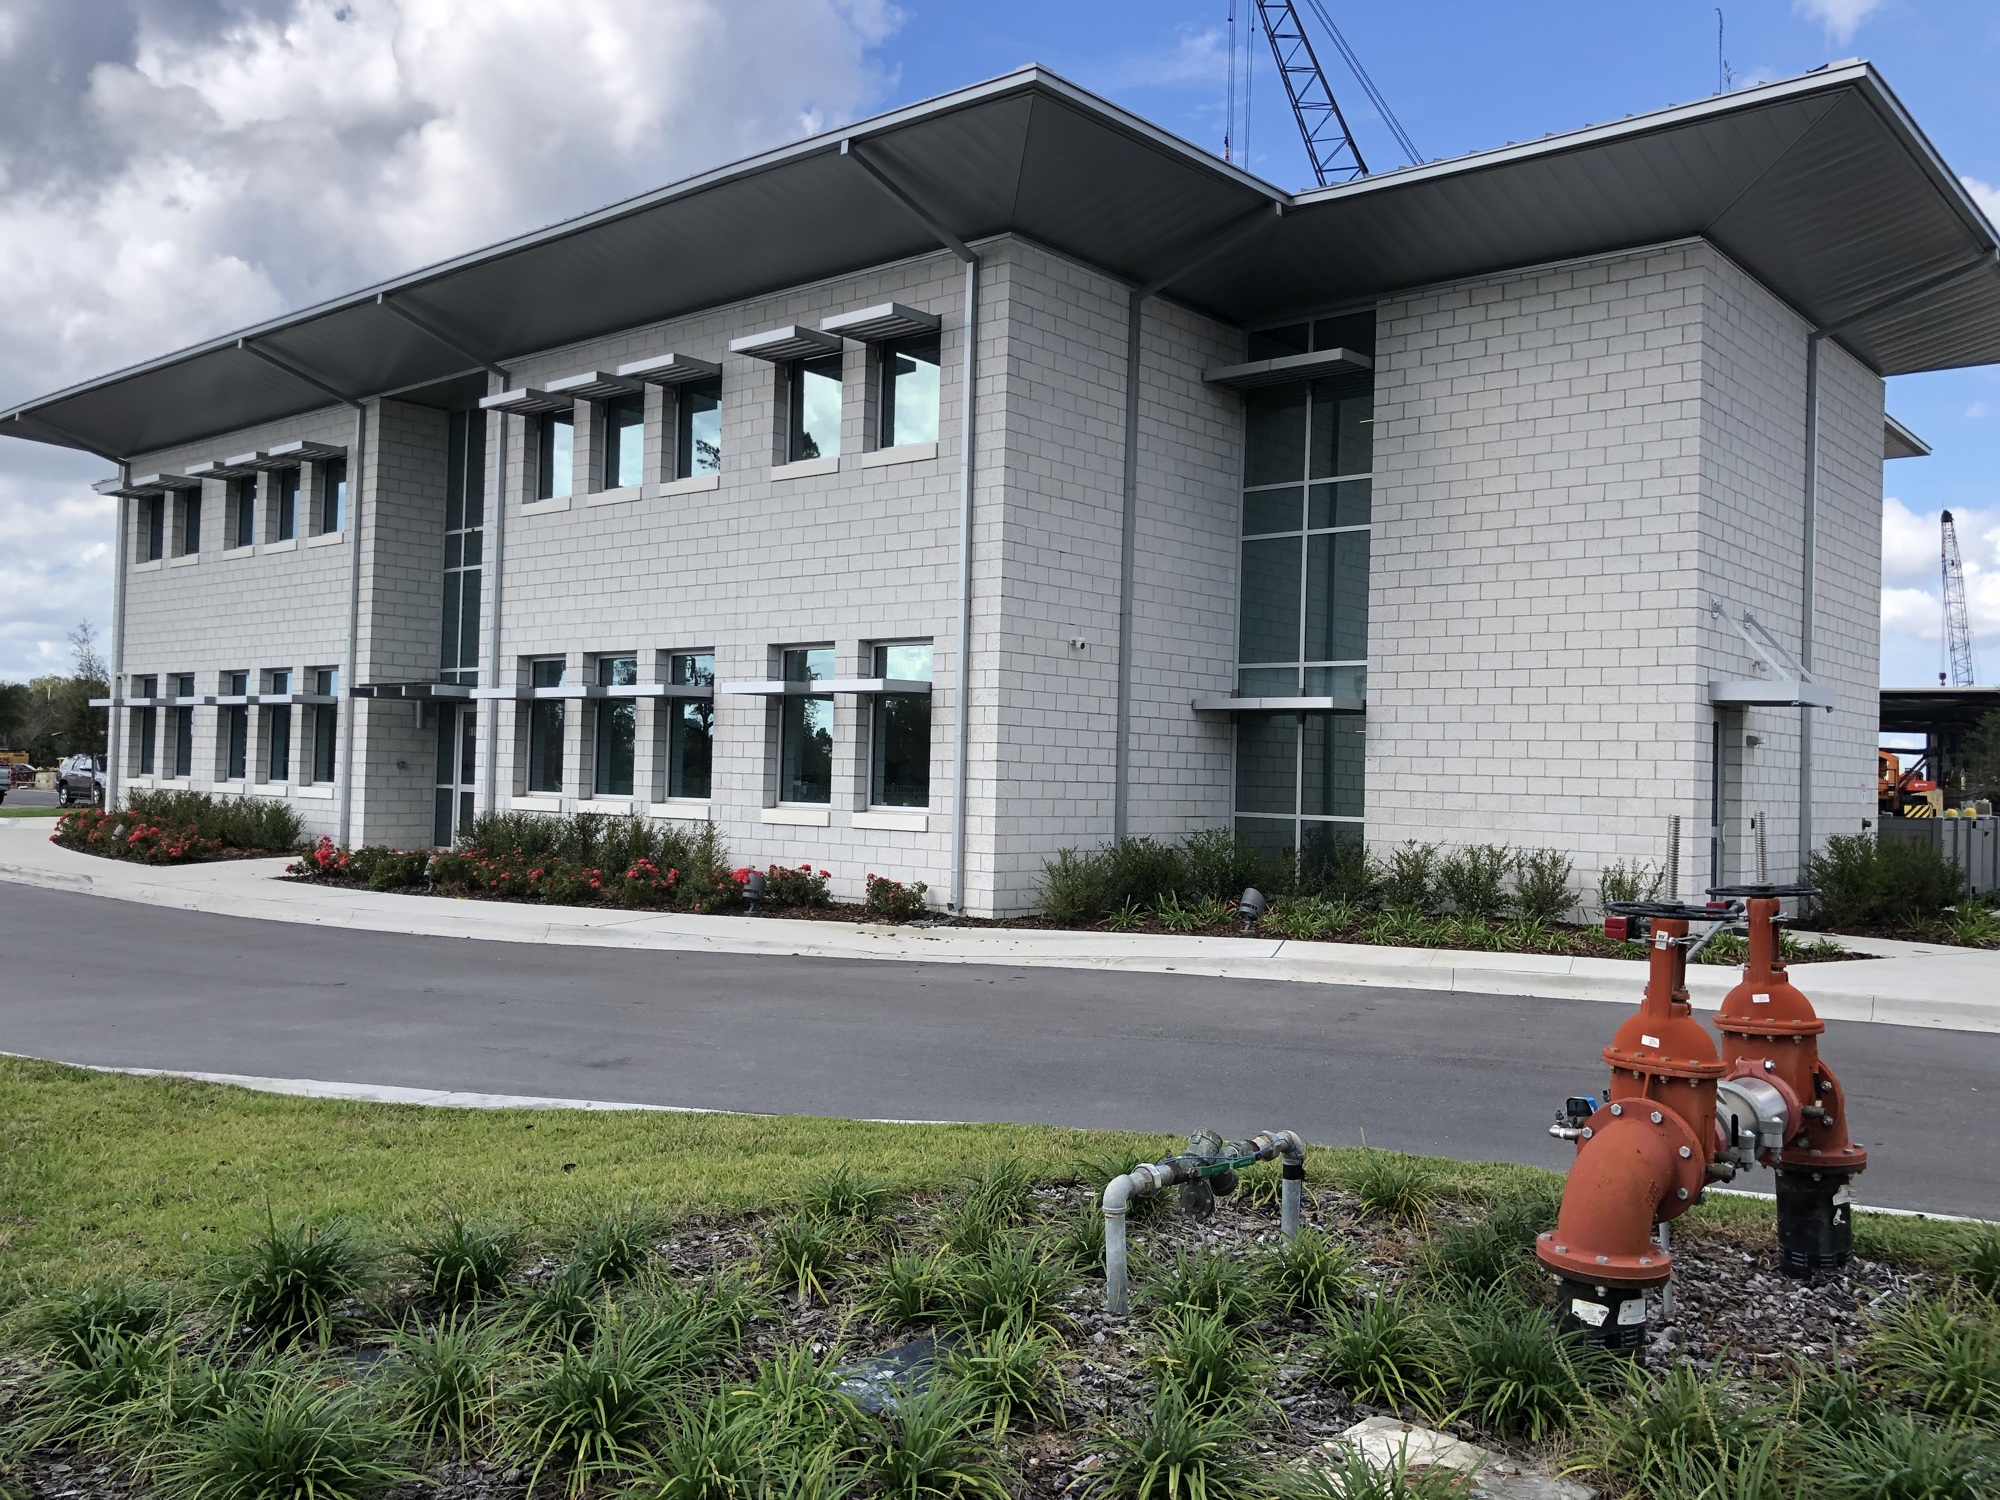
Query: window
(900,739)
(698,429)
(278,728)
(545,729)
(815,408)
(464,533)
(152,527)
(325,724)
(617,728)
(243,511)
(805,731)
(624,442)
(1303,617)
(285,505)
(145,724)
(555,455)
(182,727)
(690,725)
(235,734)
(189,539)
(332,496)
(910,391)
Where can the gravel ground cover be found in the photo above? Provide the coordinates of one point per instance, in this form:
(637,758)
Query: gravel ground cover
(716,1355)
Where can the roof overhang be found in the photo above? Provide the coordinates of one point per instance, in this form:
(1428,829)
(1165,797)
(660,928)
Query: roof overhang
(1899,442)
(1821,186)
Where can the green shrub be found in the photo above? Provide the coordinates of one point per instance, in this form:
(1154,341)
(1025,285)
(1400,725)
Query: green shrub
(1219,866)
(1210,1282)
(1512,1369)
(1074,887)
(806,1255)
(1652,1425)
(290,1284)
(843,1193)
(1637,881)
(1080,1242)
(1000,1190)
(1308,917)
(1473,880)
(1342,871)
(1348,1475)
(1180,1452)
(65,1325)
(1475,1255)
(1012,1283)
(1140,873)
(1009,1374)
(1310,1272)
(232,822)
(934,1446)
(804,886)
(592,1412)
(1868,884)
(892,901)
(632,859)
(444,1383)
(909,1287)
(1393,1186)
(1204,1358)
(615,1246)
(719,1449)
(1940,1354)
(1893,1457)
(1982,1263)
(1541,885)
(1383,1353)
(288,1438)
(1410,879)
(460,1262)
(80,1400)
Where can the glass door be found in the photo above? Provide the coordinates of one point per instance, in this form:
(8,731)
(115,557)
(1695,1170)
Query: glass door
(455,766)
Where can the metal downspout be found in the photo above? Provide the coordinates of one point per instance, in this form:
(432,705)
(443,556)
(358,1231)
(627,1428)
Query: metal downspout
(1808,583)
(114,762)
(356,483)
(1121,775)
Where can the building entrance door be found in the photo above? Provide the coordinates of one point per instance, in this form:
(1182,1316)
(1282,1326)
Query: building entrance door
(455,767)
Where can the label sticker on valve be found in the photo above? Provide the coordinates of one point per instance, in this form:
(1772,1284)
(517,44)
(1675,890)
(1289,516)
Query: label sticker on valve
(1760,999)
(1648,1041)
(1632,1312)
(1593,1313)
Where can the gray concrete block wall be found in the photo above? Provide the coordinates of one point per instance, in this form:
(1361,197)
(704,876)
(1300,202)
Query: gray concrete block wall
(274,605)
(1535,563)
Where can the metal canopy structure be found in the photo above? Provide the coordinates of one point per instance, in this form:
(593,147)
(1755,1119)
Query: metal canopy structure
(1821,186)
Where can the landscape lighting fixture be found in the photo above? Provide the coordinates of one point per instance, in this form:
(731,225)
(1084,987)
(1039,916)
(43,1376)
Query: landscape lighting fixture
(1250,908)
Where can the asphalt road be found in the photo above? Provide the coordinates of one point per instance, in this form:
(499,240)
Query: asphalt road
(90,980)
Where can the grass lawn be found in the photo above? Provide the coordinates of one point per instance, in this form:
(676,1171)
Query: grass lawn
(101,1172)
(32,812)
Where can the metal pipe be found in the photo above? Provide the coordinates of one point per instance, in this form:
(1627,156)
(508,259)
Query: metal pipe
(1128,527)
(1808,583)
(1673,880)
(962,710)
(356,483)
(114,761)
(489,786)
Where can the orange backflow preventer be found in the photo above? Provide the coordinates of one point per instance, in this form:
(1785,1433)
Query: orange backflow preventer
(1771,1031)
(1643,1156)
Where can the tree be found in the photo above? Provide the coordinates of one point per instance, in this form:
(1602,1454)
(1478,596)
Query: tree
(15,709)
(51,717)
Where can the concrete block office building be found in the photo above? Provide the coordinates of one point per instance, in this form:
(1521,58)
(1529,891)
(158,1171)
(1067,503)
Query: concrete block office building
(1003,473)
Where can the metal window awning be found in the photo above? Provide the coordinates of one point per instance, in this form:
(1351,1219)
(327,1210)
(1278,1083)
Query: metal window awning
(824,687)
(659,690)
(1279,705)
(593,385)
(1288,367)
(1770,692)
(788,343)
(416,692)
(1821,187)
(527,402)
(876,325)
(146,484)
(219,468)
(301,451)
(671,369)
(1899,442)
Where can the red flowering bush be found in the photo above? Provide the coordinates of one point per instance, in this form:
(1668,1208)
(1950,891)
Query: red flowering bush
(646,886)
(126,835)
(892,901)
(326,860)
(804,886)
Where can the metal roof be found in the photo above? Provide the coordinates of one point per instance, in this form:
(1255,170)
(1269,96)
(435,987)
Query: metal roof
(1821,186)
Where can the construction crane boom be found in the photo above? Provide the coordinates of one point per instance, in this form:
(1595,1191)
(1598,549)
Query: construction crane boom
(1330,144)
(1957,620)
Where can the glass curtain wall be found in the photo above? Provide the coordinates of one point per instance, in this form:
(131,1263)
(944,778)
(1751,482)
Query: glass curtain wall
(545,729)
(181,725)
(1303,621)
(326,724)
(900,737)
(145,724)
(235,728)
(278,729)
(617,728)
(464,541)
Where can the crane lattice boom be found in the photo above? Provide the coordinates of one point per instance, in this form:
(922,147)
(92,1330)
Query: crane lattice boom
(1330,144)
(1957,620)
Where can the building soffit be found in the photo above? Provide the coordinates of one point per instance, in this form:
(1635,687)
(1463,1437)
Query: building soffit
(1820,186)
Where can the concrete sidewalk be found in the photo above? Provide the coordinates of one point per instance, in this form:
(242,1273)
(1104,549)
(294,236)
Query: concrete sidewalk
(1911,985)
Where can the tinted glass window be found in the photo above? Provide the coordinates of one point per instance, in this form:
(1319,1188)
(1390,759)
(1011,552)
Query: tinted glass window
(815,397)
(698,439)
(910,391)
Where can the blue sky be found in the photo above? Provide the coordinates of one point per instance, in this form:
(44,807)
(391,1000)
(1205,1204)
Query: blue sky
(151,152)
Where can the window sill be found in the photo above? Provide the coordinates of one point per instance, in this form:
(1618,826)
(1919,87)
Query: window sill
(610,807)
(289,544)
(185,560)
(695,484)
(806,468)
(273,789)
(688,812)
(618,496)
(319,791)
(250,551)
(908,453)
(327,539)
(175,783)
(147,567)
(894,821)
(536,804)
(545,507)
(800,817)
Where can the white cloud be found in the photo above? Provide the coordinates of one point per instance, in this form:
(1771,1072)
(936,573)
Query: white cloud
(1985,195)
(1913,591)
(171,171)
(1909,545)
(1841,18)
